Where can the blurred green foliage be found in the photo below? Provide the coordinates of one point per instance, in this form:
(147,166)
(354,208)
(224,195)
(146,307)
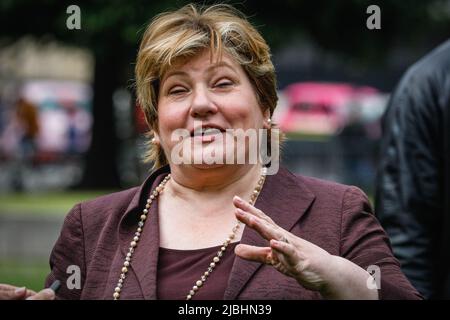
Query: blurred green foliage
(334,25)
(54,203)
(30,274)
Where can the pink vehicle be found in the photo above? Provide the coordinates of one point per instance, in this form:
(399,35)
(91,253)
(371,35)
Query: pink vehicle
(316,108)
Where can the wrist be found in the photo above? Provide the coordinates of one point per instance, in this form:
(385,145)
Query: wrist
(346,280)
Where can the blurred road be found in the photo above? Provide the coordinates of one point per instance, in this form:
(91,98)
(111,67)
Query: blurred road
(28,236)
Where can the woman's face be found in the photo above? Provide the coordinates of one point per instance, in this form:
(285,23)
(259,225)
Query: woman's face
(199,94)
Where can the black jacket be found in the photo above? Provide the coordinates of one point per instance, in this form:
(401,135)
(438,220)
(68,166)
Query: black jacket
(413,184)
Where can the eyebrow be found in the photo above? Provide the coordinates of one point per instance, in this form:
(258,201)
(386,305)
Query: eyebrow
(220,64)
(174,73)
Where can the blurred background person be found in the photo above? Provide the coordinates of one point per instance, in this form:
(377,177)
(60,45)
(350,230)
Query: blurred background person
(413,187)
(27,117)
(23,132)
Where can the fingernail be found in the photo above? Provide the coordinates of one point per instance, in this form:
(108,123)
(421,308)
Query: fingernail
(20,291)
(238,199)
(240,212)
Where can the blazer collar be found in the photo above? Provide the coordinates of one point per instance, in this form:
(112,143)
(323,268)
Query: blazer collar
(145,258)
(283,198)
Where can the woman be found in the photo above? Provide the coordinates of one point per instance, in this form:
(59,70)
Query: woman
(214,230)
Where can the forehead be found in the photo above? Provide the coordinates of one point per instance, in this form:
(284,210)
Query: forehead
(202,62)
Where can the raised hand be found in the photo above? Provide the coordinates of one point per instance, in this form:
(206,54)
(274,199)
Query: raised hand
(286,252)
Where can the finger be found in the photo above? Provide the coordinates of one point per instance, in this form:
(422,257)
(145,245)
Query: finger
(253,253)
(7,287)
(286,249)
(46,294)
(30,293)
(8,292)
(244,205)
(267,230)
(281,263)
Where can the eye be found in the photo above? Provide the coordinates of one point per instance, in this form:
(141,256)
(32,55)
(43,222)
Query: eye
(224,83)
(177,90)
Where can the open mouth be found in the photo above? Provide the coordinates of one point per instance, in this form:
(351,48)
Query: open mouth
(206,131)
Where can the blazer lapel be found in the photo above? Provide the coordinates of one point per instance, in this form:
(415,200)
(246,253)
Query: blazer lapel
(144,262)
(285,200)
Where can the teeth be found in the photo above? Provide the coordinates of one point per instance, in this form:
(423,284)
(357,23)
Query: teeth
(209,131)
(205,131)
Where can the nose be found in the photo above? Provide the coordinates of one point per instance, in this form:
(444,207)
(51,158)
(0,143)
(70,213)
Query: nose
(202,105)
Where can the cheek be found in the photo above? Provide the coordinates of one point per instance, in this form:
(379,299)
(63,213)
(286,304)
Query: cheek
(247,107)
(244,114)
(170,118)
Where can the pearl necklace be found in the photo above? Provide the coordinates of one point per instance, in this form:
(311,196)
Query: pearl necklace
(215,260)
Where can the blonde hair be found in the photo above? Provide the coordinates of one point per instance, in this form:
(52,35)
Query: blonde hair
(181,34)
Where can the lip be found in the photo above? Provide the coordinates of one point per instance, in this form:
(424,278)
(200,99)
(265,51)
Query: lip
(195,131)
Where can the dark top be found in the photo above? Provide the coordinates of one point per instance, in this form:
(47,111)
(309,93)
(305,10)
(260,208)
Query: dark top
(96,236)
(179,270)
(413,187)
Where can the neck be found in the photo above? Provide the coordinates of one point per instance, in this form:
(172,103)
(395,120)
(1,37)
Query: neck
(205,183)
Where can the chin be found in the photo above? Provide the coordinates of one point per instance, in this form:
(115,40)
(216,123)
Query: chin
(207,161)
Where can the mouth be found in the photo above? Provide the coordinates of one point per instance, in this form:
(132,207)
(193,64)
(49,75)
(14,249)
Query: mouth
(207,130)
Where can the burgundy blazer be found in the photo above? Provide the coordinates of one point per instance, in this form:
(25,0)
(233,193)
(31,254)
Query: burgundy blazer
(96,235)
